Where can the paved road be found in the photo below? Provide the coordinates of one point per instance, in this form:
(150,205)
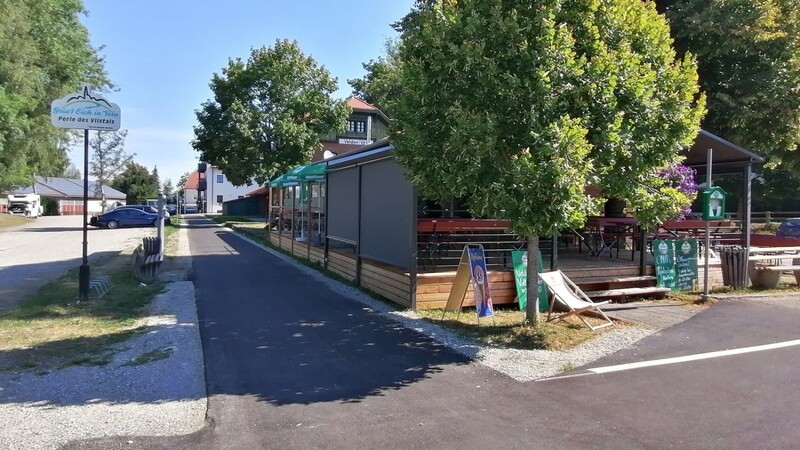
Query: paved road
(48,248)
(291,364)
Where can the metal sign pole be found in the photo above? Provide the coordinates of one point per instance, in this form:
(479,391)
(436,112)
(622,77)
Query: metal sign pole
(83,275)
(71,112)
(708,228)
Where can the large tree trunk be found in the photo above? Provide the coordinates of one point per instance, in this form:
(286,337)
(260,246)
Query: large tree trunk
(532,307)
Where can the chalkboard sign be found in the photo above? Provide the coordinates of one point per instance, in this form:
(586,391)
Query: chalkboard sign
(686,264)
(664,255)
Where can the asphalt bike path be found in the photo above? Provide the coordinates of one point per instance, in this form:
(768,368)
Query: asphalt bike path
(292,364)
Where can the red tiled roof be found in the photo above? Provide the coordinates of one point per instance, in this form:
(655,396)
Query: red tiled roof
(193,182)
(360,105)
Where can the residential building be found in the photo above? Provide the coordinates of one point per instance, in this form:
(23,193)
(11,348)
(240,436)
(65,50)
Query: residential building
(365,125)
(218,190)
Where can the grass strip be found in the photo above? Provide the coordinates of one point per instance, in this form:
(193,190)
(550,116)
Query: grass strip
(509,330)
(10,220)
(51,329)
(222,220)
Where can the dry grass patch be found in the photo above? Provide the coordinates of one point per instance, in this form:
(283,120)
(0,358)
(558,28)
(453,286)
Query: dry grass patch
(509,330)
(10,220)
(52,329)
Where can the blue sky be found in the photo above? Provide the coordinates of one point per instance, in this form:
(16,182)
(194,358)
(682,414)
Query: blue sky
(162,54)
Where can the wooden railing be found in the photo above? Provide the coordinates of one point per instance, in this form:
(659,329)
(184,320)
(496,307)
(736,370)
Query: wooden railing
(765,217)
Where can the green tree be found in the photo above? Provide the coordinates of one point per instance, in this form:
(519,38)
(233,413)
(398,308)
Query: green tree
(156,178)
(167,188)
(267,114)
(182,183)
(71,172)
(107,149)
(748,54)
(109,158)
(381,85)
(137,183)
(46,54)
(520,105)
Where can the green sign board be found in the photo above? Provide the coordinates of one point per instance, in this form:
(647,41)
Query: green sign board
(520,260)
(664,255)
(686,264)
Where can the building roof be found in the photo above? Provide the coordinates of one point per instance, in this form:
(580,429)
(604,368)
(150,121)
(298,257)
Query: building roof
(258,191)
(364,153)
(358,105)
(193,182)
(727,157)
(67,188)
(334,147)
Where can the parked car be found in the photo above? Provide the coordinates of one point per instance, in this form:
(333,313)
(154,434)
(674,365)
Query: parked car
(172,209)
(789,228)
(189,209)
(124,217)
(148,208)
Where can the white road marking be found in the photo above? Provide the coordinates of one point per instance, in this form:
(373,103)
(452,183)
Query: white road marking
(699,356)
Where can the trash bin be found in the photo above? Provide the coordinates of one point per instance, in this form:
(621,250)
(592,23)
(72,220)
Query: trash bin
(733,261)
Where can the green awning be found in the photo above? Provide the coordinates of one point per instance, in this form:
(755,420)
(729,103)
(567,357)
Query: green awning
(310,173)
(281,181)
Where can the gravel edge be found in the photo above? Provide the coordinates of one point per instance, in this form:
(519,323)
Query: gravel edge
(521,365)
(165,397)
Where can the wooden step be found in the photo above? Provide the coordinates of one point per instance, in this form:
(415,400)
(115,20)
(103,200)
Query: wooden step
(621,271)
(614,282)
(629,293)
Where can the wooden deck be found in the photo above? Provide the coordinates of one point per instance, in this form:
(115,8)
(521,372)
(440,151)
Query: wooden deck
(431,290)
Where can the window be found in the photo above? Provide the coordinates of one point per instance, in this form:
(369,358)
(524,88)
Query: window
(219,197)
(356,126)
(220,179)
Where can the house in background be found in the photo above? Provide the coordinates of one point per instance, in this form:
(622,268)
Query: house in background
(68,195)
(218,189)
(365,125)
(190,189)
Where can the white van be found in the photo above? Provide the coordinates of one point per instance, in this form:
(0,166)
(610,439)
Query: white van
(28,205)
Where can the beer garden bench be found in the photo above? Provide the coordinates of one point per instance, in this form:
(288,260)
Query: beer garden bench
(766,268)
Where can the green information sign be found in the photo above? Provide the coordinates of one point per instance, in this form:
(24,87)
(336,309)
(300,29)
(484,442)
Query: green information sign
(520,260)
(686,264)
(664,254)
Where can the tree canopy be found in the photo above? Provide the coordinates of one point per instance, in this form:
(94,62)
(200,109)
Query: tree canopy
(560,94)
(381,85)
(46,54)
(108,155)
(267,113)
(137,183)
(748,54)
(520,105)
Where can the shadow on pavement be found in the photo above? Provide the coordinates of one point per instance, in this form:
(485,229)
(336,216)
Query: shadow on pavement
(271,331)
(20,281)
